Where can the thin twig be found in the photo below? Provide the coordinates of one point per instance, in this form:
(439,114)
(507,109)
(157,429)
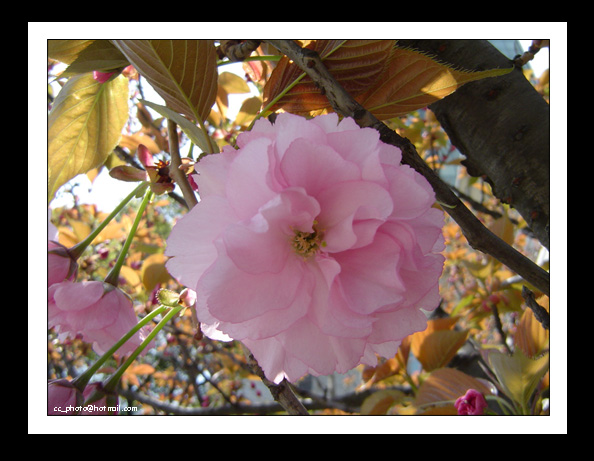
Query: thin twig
(478,236)
(499,327)
(540,313)
(281,392)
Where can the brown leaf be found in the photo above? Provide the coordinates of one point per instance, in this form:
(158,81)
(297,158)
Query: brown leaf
(438,343)
(355,64)
(447,384)
(183,72)
(413,80)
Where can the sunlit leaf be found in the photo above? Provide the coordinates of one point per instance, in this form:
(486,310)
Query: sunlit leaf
(518,375)
(66,51)
(153,271)
(437,349)
(233,83)
(413,80)
(182,72)
(446,384)
(530,335)
(84,126)
(355,64)
(249,108)
(438,343)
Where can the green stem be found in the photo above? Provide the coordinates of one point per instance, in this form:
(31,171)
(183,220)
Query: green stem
(77,250)
(264,110)
(114,274)
(272,57)
(111,384)
(502,403)
(81,381)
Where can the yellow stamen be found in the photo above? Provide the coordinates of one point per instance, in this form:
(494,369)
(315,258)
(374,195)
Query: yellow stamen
(307,244)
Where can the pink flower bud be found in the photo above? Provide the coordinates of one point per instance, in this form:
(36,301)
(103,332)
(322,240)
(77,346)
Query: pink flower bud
(102,77)
(145,156)
(60,265)
(472,403)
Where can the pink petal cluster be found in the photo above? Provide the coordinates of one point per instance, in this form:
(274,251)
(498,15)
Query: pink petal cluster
(312,245)
(472,403)
(98,311)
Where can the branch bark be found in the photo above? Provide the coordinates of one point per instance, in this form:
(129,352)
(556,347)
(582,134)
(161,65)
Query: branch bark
(478,236)
(501,125)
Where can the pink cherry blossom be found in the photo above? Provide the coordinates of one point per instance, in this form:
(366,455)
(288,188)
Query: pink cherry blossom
(311,244)
(472,403)
(98,311)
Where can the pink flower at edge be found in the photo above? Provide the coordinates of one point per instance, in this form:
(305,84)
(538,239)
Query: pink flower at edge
(312,245)
(65,400)
(472,403)
(60,265)
(98,311)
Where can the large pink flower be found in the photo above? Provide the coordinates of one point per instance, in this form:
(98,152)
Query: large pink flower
(312,245)
(98,311)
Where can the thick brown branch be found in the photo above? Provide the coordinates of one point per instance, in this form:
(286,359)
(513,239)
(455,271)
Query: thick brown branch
(478,236)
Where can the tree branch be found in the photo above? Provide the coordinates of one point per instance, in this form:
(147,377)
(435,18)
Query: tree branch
(176,174)
(478,236)
(540,313)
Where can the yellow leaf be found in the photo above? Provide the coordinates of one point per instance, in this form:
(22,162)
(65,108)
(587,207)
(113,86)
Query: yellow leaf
(66,51)
(530,335)
(130,275)
(249,108)
(413,80)
(380,402)
(84,126)
(518,374)
(233,83)
(81,229)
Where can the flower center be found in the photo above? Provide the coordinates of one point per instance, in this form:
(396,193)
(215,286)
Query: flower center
(307,244)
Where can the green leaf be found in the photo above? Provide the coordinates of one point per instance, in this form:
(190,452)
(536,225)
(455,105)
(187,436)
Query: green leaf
(193,132)
(182,72)
(518,374)
(84,126)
